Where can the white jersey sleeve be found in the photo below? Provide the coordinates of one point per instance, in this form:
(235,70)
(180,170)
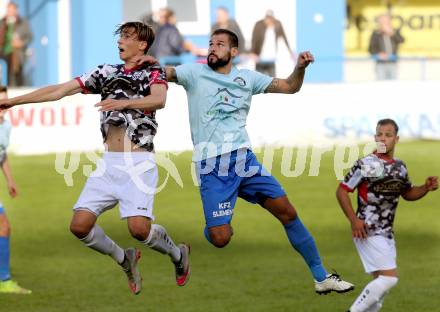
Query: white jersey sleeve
(354,177)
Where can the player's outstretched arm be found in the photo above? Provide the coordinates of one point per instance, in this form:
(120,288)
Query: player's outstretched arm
(156,100)
(417,192)
(46,94)
(293,83)
(358,227)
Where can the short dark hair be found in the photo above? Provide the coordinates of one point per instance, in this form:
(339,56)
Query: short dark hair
(233,38)
(388,121)
(143,31)
(3,89)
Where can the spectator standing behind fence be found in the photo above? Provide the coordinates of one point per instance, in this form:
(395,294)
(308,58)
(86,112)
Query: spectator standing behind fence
(384,44)
(15,36)
(265,38)
(224,21)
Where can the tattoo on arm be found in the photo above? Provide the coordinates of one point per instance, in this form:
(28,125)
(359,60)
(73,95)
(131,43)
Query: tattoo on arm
(291,78)
(171,74)
(274,86)
(290,85)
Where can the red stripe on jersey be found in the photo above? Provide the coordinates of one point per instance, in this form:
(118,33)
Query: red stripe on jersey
(128,70)
(345,187)
(363,191)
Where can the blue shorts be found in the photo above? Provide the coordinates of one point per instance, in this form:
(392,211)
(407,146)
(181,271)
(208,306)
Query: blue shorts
(2,210)
(228,176)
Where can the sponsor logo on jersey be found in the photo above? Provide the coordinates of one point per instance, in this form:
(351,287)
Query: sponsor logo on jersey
(389,187)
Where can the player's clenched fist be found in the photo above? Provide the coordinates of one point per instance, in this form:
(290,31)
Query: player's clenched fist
(304,59)
(431,183)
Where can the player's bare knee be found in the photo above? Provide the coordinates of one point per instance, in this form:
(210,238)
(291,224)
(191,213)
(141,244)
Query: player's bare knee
(80,230)
(291,214)
(220,242)
(82,223)
(5,229)
(281,208)
(220,238)
(286,214)
(139,227)
(139,233)
(139,230)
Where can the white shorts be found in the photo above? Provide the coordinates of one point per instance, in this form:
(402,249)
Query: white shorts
(129,179)
(377,253)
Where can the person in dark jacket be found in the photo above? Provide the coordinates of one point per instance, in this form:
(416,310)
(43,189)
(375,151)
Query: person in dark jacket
(264,43)
(384,44)
(169,44)
(15,36)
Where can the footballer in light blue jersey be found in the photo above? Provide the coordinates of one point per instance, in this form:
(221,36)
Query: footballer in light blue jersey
(219,99)
(7,285)
(218,106)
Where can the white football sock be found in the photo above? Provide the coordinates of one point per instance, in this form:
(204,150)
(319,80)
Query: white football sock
(377,306)
(372,295)
(159,240)
(100,242)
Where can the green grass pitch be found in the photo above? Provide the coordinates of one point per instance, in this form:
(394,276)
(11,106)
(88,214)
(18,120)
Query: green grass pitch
(258,271)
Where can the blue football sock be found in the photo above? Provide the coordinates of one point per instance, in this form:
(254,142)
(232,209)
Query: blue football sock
(206,232)
(303,243)
(4,259)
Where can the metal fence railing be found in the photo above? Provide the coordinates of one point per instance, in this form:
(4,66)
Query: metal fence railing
(357,69)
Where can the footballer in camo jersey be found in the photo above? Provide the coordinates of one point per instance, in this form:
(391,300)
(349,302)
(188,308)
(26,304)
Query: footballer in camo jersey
(115,82)
(380,182)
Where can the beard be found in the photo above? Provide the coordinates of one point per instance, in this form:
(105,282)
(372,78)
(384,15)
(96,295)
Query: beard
(219,62)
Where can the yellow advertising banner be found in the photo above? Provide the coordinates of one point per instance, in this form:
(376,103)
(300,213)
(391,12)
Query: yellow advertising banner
(417,20)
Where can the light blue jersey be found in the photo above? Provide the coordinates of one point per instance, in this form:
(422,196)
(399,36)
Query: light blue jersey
(218,107)
(5,131)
